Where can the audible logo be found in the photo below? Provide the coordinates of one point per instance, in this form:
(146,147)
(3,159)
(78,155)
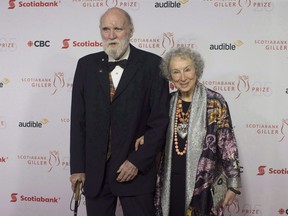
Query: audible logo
(33,124)
(30,124)
(3,82)
(168,4)
(226,46)
(223,46)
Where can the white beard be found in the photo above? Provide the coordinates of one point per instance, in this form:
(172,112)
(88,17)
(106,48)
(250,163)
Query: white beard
(117,52)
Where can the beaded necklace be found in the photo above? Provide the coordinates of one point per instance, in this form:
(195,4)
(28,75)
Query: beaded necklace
(182,128)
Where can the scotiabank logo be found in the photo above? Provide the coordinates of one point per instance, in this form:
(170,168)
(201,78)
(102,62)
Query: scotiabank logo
(272,171)
(3,159)
(65,43)
(79,44)
(261,170)
(13,197)
(11,4)
(33,4)
(36,199)
(39,43)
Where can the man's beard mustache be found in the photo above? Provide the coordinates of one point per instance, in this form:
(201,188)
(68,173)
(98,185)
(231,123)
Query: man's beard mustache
(116,52)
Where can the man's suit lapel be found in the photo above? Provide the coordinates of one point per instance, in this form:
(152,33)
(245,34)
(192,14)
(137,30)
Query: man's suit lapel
(103,74)
(129,72)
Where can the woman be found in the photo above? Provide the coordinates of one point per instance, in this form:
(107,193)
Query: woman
(200,143)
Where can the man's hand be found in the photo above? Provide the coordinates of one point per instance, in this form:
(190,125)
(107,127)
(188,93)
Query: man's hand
(127,172)
(76,177)
(139,141)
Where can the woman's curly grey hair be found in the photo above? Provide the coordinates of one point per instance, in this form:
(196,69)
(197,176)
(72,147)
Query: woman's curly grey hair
(183,52)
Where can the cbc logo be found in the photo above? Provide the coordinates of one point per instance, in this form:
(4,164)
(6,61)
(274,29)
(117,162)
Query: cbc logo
(283,211)
(39,43)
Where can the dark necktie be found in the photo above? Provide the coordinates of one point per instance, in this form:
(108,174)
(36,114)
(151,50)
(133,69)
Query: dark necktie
(121,63)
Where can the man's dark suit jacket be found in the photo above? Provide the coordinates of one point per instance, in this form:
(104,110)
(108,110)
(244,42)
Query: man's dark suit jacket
(140,107)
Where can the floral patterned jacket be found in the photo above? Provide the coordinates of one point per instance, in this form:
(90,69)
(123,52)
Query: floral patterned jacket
(213,148)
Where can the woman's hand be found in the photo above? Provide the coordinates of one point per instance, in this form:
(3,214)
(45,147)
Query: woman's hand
(139,141)
(229,198)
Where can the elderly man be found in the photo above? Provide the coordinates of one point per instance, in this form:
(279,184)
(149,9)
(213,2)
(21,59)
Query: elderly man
(118,95)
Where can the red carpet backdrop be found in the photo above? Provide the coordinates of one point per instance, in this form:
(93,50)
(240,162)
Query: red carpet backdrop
(244,44)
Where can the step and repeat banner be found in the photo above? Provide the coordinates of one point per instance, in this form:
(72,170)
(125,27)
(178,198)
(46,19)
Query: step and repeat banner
(245,47)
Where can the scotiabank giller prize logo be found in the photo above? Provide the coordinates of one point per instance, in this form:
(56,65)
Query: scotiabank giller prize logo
(240,6)
(234,207)
(243,209)
(284,130)
(241,86)
(163,43)
(33,198)
(272,45)
(54,84)
(79,44)
(264,129)
(8,44)
(279,131)
(125,4)
(251,210)
(33,4)
(50,161)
